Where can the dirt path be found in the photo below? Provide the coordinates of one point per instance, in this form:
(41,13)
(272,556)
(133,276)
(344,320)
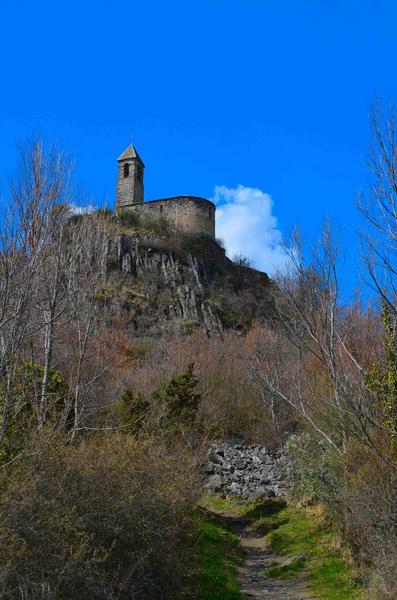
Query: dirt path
(258,557)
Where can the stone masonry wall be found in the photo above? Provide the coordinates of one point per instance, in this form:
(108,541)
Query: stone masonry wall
(188,213)
(129,189)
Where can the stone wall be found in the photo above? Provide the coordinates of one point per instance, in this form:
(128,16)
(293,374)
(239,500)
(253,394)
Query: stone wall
(130,189)
(188,213)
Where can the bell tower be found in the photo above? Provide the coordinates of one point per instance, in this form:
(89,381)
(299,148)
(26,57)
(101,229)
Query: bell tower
(130,178)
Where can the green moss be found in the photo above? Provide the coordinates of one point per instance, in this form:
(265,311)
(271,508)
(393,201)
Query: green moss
(333,579)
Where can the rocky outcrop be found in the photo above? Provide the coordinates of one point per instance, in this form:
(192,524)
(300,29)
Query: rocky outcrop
(245,471)
(157,285)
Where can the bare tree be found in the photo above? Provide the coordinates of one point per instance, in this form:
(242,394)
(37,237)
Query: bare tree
(50,265)
(24,242)
(85,325)
(43,192)
(317,365)
(380,206)
(16,268)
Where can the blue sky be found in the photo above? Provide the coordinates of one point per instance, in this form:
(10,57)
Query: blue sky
(270,95)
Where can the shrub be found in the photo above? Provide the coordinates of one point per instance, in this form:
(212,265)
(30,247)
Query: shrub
(191,244)
(310,470)
(112,264)
(178,399)
(97,521)
(160,225)
(229,401)
(174,405)
(229,321)
(76,219)
(130,219)
(359,491)
(22,418)
(139,351)
(242,261)
(189,328)
(132,411)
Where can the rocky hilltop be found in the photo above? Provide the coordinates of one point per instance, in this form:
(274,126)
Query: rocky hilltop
(158,284)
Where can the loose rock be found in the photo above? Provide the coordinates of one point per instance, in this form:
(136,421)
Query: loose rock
(247,471)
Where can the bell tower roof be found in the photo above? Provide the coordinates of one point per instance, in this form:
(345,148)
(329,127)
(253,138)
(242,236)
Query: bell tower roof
(130,152)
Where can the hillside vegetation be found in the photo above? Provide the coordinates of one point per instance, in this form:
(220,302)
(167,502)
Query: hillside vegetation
(125,351)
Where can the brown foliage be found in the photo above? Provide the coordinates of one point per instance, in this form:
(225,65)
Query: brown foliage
(100,520)
(229,401)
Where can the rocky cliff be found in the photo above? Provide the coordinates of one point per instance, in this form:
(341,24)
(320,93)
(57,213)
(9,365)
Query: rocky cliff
(159,284)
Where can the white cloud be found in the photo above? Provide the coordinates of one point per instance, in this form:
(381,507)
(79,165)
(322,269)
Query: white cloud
(75,209)
(244,221)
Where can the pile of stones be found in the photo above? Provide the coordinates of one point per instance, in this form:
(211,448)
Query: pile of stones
(244,470)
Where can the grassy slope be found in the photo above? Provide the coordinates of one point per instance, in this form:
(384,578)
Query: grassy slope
(303,534)
(219,556)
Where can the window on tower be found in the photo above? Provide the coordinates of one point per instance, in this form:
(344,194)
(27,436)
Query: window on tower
(139,172)
(126,170)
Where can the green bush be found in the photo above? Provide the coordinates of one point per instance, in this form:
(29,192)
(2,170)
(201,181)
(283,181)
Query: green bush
(177,399)
(160,225)
(311,468)
(130,219)
(132,411)
(189,328)
(174,404)
(229,320)
(22,418)
(112,264)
